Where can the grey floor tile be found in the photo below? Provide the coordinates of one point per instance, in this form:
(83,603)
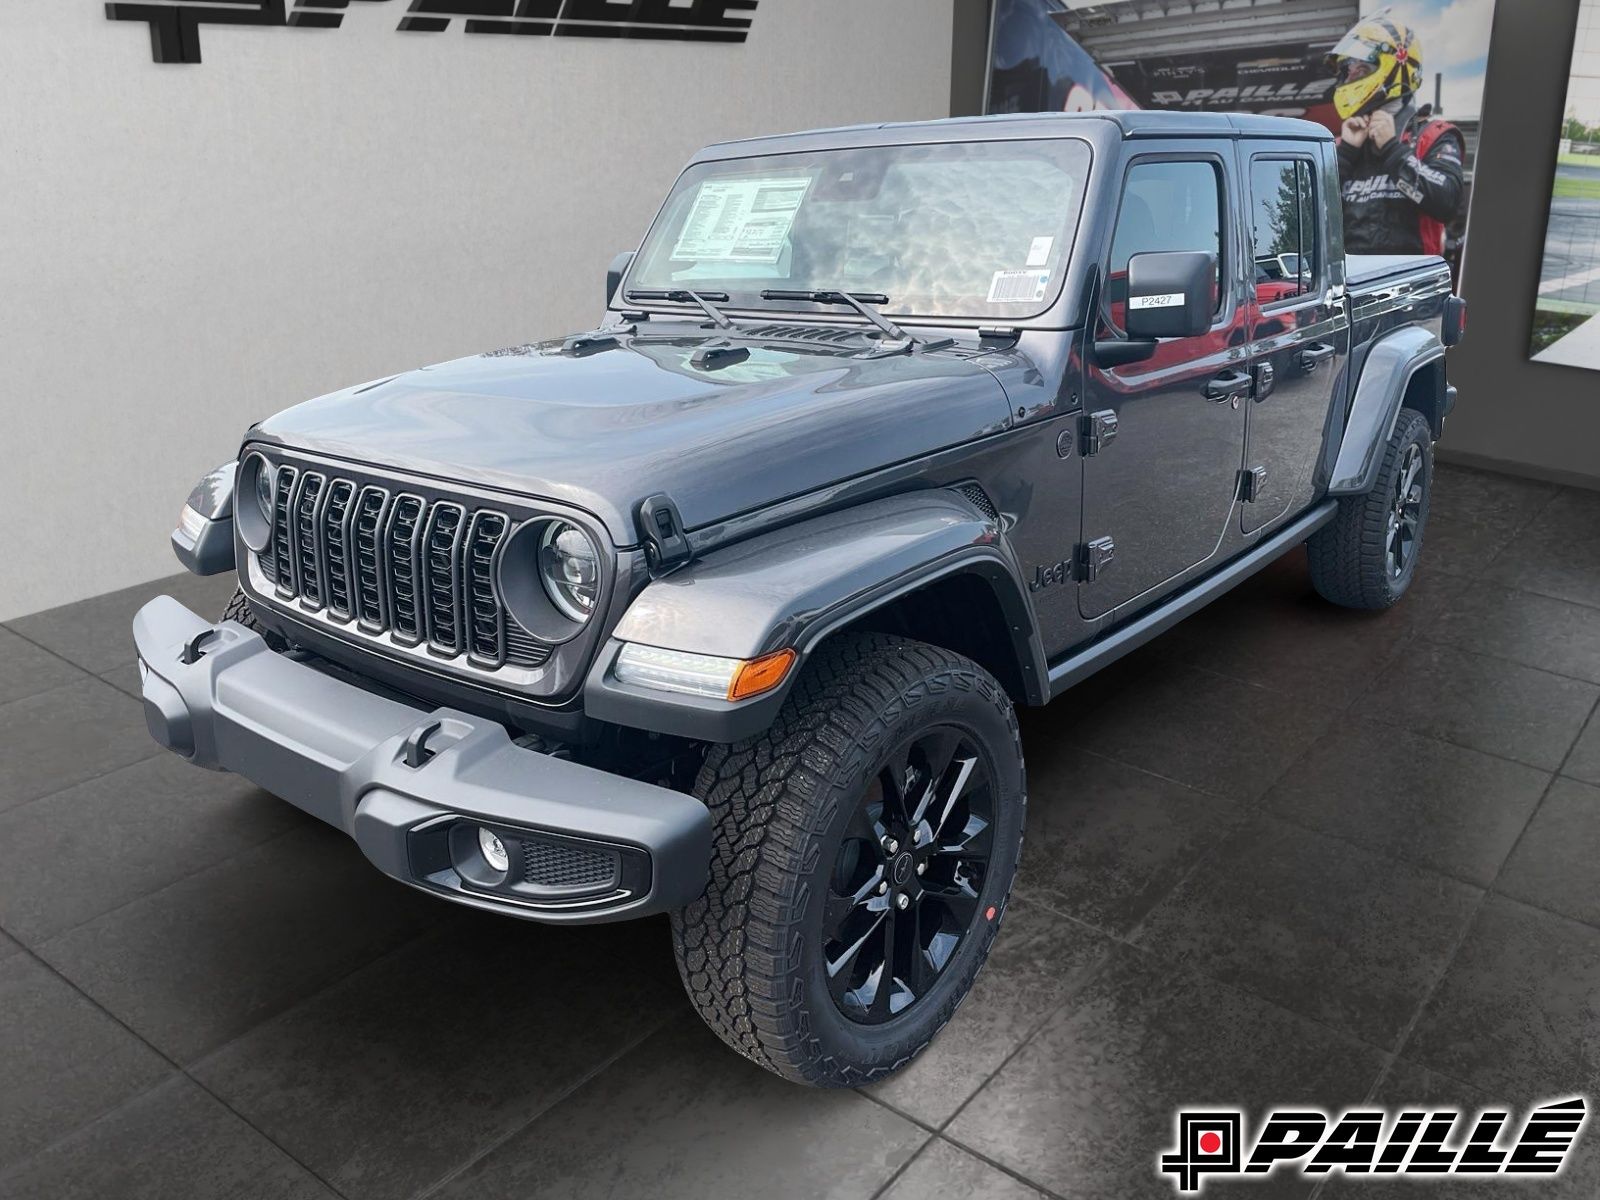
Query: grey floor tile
(1106,841)
(200,962)
(172,1143)
(1037,963)
(126,679)
(1276,631)
(1202,729)
(26,669)
(97,633)
(1428,802)
(1584,761)
(1538,631)
(1340,934)
(403,1072)
(1475,515)
(8,947)
(61,737)
(1485,703)
(64,1061)
(950,1173)
(1518,1013)
(1559,553)
(1087,1107)
(683,1116)
(70,856)
(1410,1086)
(1556,865)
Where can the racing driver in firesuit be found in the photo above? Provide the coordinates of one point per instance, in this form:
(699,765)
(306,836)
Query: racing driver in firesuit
(1400,169)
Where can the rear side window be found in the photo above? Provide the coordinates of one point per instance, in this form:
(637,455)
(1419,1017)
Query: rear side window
(1283,228)
(1165,206)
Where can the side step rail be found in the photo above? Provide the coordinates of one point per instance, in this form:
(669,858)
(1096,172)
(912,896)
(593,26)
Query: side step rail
(1080,664)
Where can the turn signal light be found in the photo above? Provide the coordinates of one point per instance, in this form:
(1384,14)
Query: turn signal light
(760,675)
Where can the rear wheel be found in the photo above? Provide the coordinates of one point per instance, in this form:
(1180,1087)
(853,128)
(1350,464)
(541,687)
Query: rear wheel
(864,850)
(1366,556)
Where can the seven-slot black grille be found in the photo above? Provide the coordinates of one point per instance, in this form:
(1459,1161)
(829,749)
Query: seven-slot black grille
(393,562)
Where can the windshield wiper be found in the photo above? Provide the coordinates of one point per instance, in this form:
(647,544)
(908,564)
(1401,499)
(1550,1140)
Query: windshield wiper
(706,300)
(857,301)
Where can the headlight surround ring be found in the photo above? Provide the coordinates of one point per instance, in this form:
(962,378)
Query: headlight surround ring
(253,501)
(552,577)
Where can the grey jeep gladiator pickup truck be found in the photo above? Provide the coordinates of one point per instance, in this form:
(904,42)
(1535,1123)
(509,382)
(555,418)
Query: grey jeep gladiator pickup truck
(722,608)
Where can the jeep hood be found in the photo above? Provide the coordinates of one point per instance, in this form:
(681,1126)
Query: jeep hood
(605,426)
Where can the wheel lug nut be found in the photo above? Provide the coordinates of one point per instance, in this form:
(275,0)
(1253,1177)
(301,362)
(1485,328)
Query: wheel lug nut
(921,867)
(890,845)
(883,888)
(902,901)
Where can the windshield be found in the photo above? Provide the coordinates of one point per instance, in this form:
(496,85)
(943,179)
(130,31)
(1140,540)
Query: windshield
(973,230)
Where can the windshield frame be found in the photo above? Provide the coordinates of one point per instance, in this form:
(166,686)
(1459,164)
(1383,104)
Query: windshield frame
(759,149)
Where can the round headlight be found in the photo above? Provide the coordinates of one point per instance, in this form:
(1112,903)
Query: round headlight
(252,506)
(569,568)
(263,490)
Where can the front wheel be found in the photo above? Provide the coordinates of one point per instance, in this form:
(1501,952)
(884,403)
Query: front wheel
(1366,556)
(864,849)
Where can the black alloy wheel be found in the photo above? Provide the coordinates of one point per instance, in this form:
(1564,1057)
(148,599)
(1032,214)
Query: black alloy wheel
(1405,513)
(905,887)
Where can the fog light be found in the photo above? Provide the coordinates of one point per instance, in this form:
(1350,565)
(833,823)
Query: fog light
(494,850)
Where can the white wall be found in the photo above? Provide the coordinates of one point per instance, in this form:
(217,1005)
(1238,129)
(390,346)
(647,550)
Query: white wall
(185,249)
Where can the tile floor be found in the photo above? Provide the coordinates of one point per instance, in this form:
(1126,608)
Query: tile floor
(1285,854)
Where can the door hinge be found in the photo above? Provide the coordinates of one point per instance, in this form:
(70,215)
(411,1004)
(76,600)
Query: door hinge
(1094,557)
(1099,431)
(1252,484)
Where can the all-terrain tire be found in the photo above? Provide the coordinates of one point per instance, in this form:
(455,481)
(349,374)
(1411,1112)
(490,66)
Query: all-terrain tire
(750,949)
(239,610)
(1349,556)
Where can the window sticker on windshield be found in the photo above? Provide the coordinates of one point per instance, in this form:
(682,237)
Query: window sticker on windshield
(1018,287)
(1039,252)
(741,220)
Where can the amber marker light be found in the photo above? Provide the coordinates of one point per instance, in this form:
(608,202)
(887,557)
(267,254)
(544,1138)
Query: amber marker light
(760,675)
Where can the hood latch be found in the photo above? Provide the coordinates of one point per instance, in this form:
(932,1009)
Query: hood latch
(666,545)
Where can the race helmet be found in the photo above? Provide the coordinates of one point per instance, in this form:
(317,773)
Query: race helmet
(1378,61)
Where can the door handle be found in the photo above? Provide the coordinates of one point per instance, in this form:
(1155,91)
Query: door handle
(1230,385)
(1313,354)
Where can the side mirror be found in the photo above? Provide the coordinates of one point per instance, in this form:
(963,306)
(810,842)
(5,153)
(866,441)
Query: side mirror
(615,272)
(1171,294)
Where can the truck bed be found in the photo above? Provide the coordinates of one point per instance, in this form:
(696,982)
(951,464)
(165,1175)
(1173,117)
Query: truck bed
(1368,270)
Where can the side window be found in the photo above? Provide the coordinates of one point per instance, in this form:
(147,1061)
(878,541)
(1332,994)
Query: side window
(1165,206)
(1283,228)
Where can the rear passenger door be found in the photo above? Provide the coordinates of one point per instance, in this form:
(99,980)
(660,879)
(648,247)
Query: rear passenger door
(1163,489)
(1299,331)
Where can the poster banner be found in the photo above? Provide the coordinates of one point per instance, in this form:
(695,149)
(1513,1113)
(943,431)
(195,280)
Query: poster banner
(1037,67)
(1566,317)
(1399,83)
(1289,80)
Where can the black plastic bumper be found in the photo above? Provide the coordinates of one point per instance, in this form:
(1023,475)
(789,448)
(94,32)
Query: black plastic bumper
(412,786)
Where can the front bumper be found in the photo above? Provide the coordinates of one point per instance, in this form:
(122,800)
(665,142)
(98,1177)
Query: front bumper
(412,785)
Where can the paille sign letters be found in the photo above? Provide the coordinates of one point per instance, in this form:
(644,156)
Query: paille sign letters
(175,24)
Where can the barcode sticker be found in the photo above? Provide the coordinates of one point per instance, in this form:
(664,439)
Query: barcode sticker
(1018,287)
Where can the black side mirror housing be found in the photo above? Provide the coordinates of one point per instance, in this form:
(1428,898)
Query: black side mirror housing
(615,272)
(1171,294)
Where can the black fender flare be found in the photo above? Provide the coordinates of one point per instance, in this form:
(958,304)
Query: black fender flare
(1386,376)
(791,588)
